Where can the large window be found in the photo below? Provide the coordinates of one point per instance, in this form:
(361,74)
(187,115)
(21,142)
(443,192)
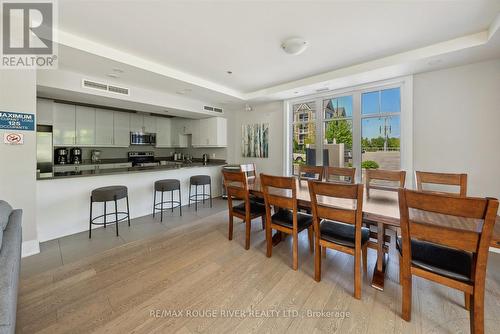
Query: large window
(360,128)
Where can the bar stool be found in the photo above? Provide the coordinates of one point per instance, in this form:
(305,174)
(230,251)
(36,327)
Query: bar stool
(200,180)
(104,195)
(167,185)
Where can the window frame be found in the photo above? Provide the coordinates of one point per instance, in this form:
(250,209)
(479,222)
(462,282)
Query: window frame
(406,121)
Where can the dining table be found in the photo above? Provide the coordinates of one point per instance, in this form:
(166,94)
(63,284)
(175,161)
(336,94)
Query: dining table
(380,209)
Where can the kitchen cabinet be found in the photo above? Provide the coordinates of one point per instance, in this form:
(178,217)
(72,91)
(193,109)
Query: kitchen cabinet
(64,118)
(210,132)
(44,111)
(104,127)
(149,124)
(164,132)
(136,123)
(85,126)
(121,127)
(178,136)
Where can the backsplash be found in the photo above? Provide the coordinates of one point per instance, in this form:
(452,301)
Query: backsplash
(121,152)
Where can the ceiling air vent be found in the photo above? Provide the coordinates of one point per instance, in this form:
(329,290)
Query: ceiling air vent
(94,85)
(105,87)
(210,108)
(118,90)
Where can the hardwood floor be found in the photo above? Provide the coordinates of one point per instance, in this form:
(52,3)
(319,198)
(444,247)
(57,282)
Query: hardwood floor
(194,268)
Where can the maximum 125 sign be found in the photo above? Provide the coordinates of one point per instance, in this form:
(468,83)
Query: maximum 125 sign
(17,121)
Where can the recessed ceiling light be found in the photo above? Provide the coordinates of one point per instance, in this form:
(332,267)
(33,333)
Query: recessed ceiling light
(229,72)
(113,75)
(294,45)
(295,92)
(117,70)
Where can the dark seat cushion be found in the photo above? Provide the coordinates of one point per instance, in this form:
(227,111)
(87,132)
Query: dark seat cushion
(109,193)
(199,180)
(285,218)
(167,185)
(448,262)
(341,233)
(255,208)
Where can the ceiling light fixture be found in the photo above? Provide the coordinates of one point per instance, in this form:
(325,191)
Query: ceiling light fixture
(248,107)
(294,45)
(229,72)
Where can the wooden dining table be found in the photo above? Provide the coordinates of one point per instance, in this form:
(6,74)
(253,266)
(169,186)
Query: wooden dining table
(382,208)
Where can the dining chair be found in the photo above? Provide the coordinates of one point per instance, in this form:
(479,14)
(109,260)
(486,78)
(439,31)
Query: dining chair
(311,172)
(249,169)
(445,239)
(236,184)
(385,180)
(339,227)
(340,174)
(281,192)
(448,179)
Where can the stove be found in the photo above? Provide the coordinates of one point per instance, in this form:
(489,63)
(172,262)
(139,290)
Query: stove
(142,159)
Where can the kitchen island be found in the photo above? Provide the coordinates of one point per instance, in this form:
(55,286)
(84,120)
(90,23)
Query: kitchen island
(63,199)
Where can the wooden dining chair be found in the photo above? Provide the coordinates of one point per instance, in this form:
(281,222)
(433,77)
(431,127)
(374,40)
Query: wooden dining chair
(236,184)
(339,227)
(446,239)
(249,169)
(449,179)
(281,192)
(340,174)
(311,172)
(390,181)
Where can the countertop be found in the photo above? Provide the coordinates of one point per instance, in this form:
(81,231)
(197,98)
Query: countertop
(114,171)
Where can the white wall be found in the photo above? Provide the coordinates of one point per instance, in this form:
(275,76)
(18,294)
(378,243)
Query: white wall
(271,113)
(18,162)
(457,124)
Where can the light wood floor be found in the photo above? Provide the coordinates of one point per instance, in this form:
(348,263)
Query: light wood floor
(194,267)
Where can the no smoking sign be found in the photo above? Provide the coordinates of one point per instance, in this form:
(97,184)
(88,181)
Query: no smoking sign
(13,138)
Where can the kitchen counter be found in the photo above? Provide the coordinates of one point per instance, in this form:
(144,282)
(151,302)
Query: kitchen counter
(170,165)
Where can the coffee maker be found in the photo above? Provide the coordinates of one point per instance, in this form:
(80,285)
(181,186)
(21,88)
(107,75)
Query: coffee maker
(61,156)
(76,155)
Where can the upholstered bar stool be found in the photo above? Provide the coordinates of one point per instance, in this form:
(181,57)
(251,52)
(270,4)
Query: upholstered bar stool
(104,195)
(168,185)
(196,181)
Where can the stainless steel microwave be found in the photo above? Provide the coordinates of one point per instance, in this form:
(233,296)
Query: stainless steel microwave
(141,138)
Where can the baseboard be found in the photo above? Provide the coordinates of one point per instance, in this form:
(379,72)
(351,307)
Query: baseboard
(495,250)
(30,247)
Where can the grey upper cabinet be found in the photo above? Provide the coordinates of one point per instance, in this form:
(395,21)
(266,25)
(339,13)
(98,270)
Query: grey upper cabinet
(44,112)
(136,123)
(121,128)
(150,124)
(104,124)
(64,118)
(163,132)
(85,126)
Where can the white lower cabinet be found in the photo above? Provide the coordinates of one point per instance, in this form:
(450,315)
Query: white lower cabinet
(104,124)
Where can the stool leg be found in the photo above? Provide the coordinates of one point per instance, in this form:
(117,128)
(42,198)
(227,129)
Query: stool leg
(116,216)
(196,198)
(172,199)
(90,221)
(104,214)
(161,206)
(154,202)
(180,202)
(128,212)
(210,194)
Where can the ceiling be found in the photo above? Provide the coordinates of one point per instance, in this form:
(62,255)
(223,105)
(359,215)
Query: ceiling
(190,45)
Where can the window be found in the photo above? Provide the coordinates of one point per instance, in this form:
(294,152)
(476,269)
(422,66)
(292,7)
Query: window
(304,133)
(359,128)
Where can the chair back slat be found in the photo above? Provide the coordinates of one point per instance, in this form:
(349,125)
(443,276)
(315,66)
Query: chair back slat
(386,175)
(279,191)
(236,184)
(249,169)
(449,237)
(449,179)
(324,194)
(340,172)
(305,170)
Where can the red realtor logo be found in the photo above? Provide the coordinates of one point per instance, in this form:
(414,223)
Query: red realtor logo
(13,138)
